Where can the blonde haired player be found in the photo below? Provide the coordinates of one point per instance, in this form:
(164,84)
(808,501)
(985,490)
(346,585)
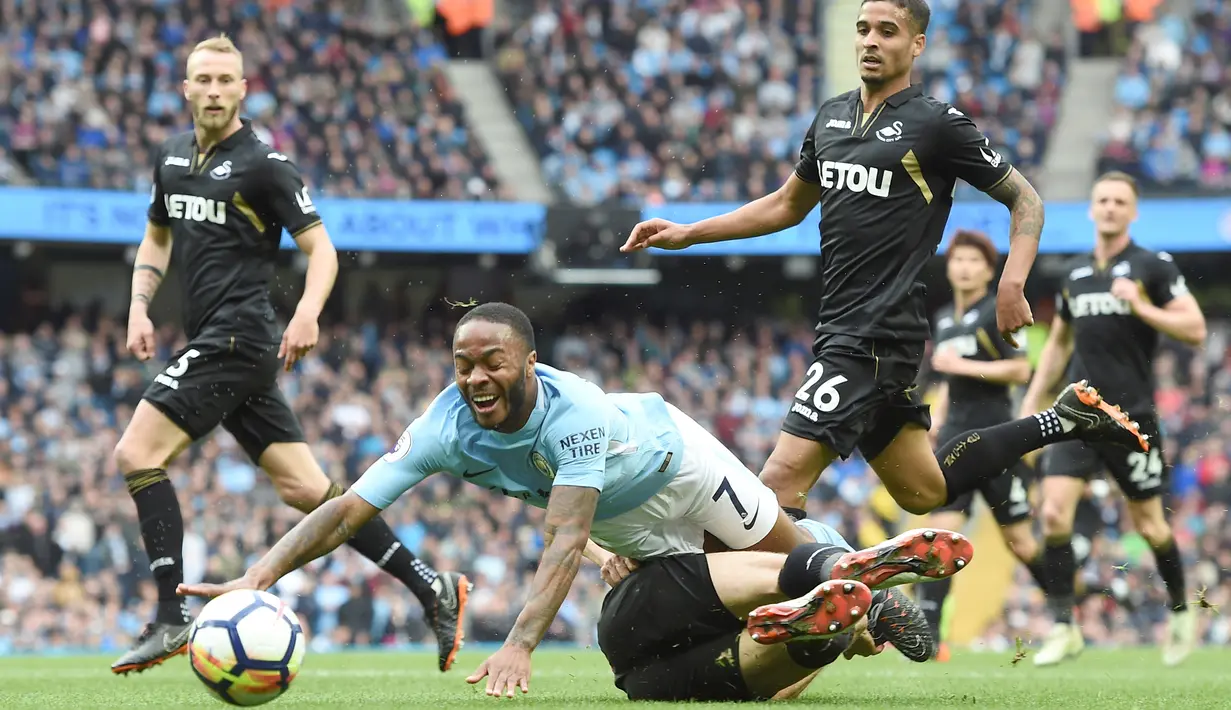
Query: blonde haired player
(220,202)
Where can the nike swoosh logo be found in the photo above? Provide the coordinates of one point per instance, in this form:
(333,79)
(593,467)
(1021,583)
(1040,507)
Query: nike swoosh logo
(468,474)
(170,643)
(748,525)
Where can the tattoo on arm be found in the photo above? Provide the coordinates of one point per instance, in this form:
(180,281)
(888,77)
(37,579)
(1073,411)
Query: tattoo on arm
(1024,203)
(570,512)
(146,280)
(321,532)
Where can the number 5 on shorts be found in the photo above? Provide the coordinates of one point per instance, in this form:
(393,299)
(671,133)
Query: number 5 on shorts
(825,397)
(170,376)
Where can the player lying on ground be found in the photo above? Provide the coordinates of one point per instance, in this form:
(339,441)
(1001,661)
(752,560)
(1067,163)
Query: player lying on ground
(1112,306)
(628,470)
(978,367)
(225,229)
(883,161)
(674,628)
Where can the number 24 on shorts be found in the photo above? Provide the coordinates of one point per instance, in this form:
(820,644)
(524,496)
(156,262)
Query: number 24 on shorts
(824,396)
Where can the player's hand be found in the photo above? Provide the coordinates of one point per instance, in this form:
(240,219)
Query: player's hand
(616,568)
(248,581)
(658,233)
(505,670)
(299,339)
(1128,291)
(862,643)
(947,361)
(1012,313)
(141,335)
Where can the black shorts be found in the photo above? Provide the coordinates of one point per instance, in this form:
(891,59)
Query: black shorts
(230,382)
(858,393)
(1140,475)
(668,636)
(1008,495)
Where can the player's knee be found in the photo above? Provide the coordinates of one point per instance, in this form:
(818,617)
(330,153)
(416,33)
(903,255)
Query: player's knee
(1057,521)
(786,481)
(299,495)
(132,454)
(921,499)
(1156,532)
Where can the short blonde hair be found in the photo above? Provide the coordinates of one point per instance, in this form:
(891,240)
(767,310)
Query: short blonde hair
(221,44)
(1119,176)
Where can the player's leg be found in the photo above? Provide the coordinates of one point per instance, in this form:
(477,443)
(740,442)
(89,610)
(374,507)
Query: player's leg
(1008,495)
(269,432)
(1065,468)
(183,403)
(1143,478)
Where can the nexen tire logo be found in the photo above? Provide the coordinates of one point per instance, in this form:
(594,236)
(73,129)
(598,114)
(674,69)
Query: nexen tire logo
(855,177)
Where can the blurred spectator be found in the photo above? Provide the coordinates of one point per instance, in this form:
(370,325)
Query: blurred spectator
(91,89)
(1173,98)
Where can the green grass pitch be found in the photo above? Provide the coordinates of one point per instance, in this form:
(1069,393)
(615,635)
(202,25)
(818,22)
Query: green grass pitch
(565,679)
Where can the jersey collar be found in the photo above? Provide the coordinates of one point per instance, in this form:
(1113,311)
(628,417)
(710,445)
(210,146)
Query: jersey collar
(905,95)
(230,141)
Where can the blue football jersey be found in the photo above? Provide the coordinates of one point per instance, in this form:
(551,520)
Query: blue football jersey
(624,445)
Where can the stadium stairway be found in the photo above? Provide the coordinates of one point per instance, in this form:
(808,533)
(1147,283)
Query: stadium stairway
(1072,156)
(491,118)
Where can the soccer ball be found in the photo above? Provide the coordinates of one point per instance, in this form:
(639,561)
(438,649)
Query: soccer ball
(246,647)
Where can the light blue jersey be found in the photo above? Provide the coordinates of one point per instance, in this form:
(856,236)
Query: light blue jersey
(823,533)
(625,445)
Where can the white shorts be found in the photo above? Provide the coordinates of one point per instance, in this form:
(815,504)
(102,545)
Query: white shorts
(713,492)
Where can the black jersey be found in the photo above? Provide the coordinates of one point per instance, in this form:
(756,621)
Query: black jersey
(1112,348)
(974,335)
(226,209)
(887,185)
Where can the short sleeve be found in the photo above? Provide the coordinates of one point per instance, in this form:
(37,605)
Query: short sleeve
(968,154)
(1062,308)
(1164,281)
(579,444)
(807,169)
(157,213)
(286,199)
(419,453)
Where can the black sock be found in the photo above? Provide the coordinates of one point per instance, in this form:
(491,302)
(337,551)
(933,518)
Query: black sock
(377,542)
(807,566)
(975,457)
(818,653)
(162,530)
(1038,571)
(931,600)
(1171,569)
(1060,567)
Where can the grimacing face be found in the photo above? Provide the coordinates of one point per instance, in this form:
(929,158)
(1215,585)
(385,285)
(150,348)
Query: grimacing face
(1113,207)
(214,88)
(967,269)
(493,370)
(885,43)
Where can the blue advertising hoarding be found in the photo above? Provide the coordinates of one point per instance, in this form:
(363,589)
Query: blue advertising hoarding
(106,217)
(1179,225)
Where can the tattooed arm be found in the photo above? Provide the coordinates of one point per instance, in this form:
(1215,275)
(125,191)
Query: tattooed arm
(153,256)
(321,532)
(570,512)
(1025,226)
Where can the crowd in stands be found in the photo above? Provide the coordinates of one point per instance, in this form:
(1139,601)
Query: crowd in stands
(1171,125)
(73,574)
(90,88)
(702,100)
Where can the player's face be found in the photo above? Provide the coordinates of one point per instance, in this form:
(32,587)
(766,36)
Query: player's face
(885,43)
(968,270)
(214,88)
(493,371)
(1113,207)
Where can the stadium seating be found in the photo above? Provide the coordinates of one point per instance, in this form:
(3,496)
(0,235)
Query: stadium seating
(1173,103)
(90,93)
(691,100)
(73,574)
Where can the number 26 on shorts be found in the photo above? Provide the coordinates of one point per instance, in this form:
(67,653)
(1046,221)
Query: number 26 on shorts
(824,396)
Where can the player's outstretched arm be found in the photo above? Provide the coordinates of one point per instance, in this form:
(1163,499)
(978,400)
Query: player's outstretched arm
(566,532)
(785,207)
(153,258)
(1052,361)
(321,532)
